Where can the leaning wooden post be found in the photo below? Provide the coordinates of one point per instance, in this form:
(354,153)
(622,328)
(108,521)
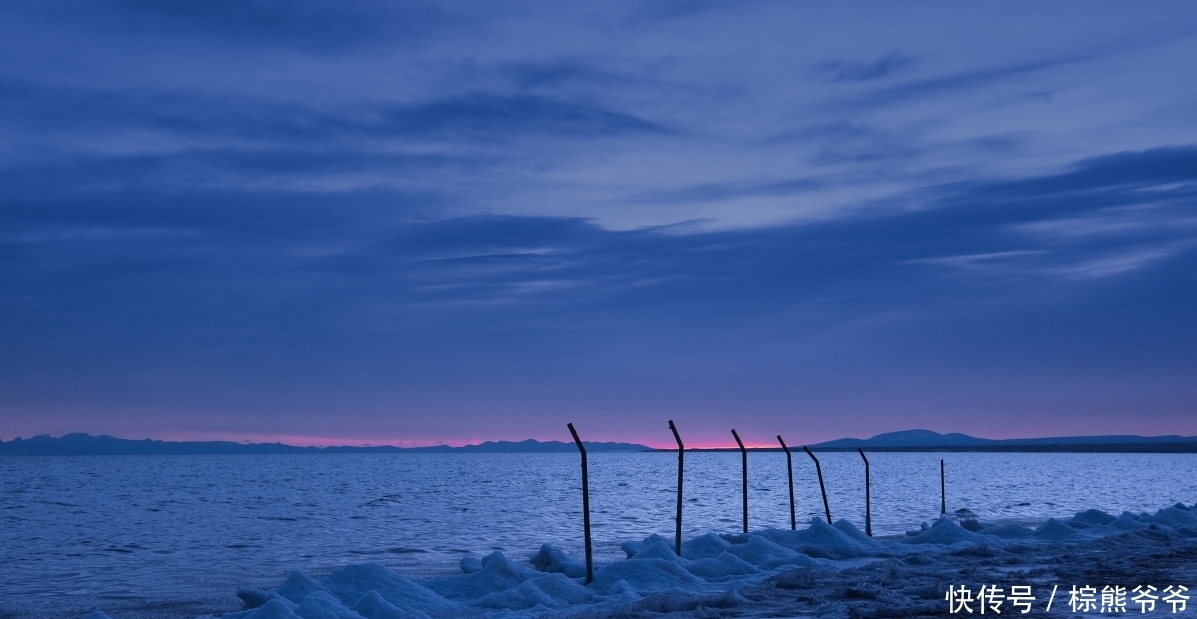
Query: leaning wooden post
(681,454)
(744,457)
(819,470)
(943,499)
(790,473)
(585,505)
(868,505)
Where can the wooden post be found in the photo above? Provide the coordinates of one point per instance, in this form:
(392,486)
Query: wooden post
(744,457)
(585,505)
(681,454)
(790,473)
(868,505)
(819,470)
(943,498)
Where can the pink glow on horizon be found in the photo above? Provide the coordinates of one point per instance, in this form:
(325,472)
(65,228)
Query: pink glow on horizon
(303,440)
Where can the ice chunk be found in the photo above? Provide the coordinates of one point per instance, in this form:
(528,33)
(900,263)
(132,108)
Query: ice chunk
(659,550)
(635,548)
(1053,529)
(373,606)
(349,584)
(469,565)
(549,591)
(497,574)
(1093,518)
(256,598)
(322,605)
(759,549)
(1174,517)
(276,608)
(1007,531)
(944,531)
(648,576)
(724,567)
(823,540)
(704,546)
(849,529)
(550,559)
(1125,522)
(298,586)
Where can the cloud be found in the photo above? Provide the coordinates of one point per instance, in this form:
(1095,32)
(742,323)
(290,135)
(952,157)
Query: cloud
(150,293)
(252,207)
(305,24)
(844,71)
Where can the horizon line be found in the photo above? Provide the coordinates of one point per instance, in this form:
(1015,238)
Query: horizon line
(305,441)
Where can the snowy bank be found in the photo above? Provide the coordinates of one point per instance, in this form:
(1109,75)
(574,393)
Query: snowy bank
(823,570)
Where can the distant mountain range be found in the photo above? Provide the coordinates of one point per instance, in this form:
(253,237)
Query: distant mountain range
(926,440)
(78,444)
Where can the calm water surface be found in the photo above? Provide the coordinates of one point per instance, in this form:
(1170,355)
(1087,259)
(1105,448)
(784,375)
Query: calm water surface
(199,527)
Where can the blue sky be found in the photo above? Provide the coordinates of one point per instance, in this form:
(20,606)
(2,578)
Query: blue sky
(394,222)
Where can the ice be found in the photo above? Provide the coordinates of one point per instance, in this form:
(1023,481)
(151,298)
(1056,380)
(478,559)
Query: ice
(1054,529)
(548,559)
(497,574)
(351,583)
(1175,516)
(1007,531)
(648,576)
(944,531)
(825,570)
(322,604)
(374,606)
(1092,518)
(726,566)
(821,540)
(1125,522)
(635,548)
(709,545)
(277,608)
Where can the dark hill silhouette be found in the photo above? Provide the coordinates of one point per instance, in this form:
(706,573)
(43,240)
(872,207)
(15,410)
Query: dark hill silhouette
(926,440)
(79,444)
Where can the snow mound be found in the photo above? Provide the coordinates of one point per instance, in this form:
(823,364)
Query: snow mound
(1007,531)
(703,546)
(1177,516)
(944,531)
(1091,518)
(1125,522)
(550,559)
(1054,529)
(821,540)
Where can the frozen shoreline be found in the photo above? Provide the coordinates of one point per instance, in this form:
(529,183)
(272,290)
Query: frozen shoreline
(822,570)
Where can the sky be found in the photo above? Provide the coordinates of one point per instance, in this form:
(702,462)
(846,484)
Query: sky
(413,224)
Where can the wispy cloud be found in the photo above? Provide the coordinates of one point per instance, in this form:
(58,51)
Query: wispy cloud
(844,71)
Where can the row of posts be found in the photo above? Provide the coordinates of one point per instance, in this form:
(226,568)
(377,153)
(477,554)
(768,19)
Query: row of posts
(681,459)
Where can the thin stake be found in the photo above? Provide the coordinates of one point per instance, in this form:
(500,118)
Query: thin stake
(681,454)
(868,505)
(819,470)
(790,473)
(744,457)
(585,505)
(943,498)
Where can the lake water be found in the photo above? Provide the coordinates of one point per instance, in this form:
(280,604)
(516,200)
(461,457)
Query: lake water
(98,530)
